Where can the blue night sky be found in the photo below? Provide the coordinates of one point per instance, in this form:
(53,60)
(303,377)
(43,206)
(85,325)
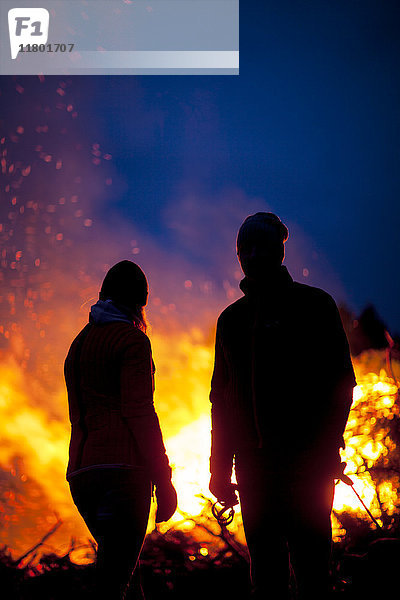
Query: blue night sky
(309,129)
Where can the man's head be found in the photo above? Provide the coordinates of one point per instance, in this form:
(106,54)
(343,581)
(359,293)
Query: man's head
(260,244)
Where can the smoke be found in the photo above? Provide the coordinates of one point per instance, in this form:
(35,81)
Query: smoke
(203,226)
(60,231)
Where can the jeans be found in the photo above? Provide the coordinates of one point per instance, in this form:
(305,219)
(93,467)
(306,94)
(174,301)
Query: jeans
(115,505)
(286,519)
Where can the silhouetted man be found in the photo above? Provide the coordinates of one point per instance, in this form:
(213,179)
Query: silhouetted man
(281,393)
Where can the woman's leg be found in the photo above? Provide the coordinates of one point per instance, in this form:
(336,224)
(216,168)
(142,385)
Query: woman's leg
(115,505)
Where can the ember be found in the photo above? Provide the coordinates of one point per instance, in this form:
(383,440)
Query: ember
(51,265)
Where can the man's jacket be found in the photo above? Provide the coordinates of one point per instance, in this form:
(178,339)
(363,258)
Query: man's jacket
(282,379)
(109,376)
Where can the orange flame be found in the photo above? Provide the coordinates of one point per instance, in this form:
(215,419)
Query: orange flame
(37,325)
(184,365)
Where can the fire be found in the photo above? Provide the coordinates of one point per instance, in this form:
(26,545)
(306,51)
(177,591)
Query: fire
(188,451)
(369,446)
(51,262)
(374,399)
(33,491)
(184,364)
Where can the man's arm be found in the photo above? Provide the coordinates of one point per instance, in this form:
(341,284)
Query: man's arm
(340,380)
(221,459)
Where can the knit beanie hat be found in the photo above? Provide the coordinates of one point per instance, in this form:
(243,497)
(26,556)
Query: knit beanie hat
(125,284)
(262,225)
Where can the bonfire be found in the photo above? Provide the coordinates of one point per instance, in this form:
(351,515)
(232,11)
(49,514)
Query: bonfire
(50,272)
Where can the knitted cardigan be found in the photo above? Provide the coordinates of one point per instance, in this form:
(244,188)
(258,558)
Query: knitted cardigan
(109,373)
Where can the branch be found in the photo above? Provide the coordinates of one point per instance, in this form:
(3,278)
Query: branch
(42,541)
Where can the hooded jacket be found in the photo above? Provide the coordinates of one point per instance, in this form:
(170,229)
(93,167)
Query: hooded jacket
(109,373)
(282,379)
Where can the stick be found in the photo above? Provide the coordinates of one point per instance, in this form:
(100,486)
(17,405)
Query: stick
(42,541)
(366,508)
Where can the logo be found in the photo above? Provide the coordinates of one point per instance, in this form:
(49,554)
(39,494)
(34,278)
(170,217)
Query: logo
(26,26)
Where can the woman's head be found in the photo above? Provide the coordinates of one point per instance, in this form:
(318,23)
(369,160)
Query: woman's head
(126,285)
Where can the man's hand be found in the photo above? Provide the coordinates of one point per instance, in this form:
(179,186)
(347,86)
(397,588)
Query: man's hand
(340,474)
(224,491)
(166,501)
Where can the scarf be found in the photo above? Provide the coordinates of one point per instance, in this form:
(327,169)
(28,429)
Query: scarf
(104,311)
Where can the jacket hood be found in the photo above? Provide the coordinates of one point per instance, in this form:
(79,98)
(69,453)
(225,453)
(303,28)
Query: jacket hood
(104,311)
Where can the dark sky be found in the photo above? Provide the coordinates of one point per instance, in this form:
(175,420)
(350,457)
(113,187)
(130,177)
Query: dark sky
(309,129)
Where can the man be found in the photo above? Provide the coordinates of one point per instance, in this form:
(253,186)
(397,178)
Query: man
(281,393)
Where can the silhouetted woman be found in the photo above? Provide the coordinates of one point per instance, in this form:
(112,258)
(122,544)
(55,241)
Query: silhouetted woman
(116,449)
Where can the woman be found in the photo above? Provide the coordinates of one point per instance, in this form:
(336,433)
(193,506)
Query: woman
(116,451)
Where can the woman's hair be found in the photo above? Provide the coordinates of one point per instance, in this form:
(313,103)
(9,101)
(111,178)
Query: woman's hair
(126,285)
